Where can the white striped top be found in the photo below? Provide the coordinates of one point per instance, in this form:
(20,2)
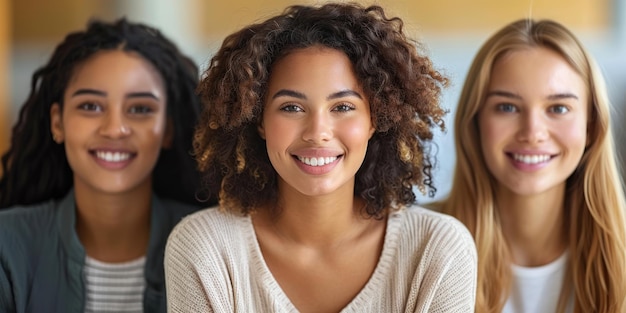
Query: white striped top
(114,287)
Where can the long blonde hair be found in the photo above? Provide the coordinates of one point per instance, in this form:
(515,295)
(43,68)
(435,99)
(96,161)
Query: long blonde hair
(594,211)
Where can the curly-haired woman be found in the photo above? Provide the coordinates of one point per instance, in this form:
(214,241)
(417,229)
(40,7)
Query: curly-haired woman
(315,131)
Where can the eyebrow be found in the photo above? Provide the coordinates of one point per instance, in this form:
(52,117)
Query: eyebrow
(563,96)
(86,91)
(299,95)
(507,94)
(344,93)
(289,93)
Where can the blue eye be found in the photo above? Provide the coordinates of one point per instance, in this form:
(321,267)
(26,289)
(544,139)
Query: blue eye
(559,109)
(506,107)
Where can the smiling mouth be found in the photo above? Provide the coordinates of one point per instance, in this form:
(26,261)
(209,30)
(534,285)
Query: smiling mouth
(109,156)
(320,161)
(531,158)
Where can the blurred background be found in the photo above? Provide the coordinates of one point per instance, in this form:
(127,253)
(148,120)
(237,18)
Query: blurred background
(451,31)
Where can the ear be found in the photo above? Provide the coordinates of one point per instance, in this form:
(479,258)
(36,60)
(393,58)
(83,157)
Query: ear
(56,123)
(261,130)
(372,129)
(168,137)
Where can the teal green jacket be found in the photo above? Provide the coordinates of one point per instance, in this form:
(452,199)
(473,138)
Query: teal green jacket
(41,258)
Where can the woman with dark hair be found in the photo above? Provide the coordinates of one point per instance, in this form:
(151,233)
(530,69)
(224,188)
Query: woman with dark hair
(98,173)
(315,130)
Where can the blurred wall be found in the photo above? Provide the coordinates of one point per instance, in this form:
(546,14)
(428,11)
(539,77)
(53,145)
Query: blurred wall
(5,121)
(433,15)
(452,31)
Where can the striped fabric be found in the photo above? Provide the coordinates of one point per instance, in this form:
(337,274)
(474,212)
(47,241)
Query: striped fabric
(114,287)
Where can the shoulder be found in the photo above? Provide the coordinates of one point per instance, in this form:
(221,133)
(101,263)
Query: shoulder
(213,218)
(27,221)
(210,224)
(210,236)
(439,231)
(25,232)
(434,221)
(176,209)
(167,213)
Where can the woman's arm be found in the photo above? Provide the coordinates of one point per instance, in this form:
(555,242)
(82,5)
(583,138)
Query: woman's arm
(184,284)
(449,280)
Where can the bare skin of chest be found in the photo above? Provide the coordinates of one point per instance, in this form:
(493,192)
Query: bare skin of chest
(323,278)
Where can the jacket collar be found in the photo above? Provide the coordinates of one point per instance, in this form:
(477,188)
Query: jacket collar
(66,219)
(160,225)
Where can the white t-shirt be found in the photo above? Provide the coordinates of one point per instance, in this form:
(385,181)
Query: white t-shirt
(537,289)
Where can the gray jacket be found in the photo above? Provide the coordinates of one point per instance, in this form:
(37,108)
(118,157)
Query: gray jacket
(41,258)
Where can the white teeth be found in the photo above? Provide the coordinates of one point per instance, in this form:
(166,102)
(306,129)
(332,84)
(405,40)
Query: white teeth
(531,159)
(112,156)
(321,161)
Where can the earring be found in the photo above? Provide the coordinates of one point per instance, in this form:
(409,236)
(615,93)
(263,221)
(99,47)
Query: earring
(56,138)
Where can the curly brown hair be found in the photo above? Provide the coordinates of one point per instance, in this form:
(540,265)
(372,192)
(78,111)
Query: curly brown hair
(401,85)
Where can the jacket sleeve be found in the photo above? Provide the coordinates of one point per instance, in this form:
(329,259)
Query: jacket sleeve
(7,303)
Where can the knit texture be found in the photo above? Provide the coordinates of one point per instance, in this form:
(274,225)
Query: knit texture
(213,263)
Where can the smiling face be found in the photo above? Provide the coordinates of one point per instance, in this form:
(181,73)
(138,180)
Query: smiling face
(316,122)
(533,124)
(113,122)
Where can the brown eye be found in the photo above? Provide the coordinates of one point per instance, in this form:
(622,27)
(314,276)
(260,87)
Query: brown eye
(140,109)
(343,107)
(291,108)
(90,106)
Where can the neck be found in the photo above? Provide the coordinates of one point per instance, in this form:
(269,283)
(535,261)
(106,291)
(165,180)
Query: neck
(323,221)
(113,227)
(533,225)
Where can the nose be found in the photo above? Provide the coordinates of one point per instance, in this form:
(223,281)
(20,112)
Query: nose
(533,128)
(318,128)
(114,125)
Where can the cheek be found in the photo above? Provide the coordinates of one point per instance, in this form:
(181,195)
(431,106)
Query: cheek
(85,129)
(153,131)
(158,130)
(574,134)
(357,129)
(490,133)
(277,132)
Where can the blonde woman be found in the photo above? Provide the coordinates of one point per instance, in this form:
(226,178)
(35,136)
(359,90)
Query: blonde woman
(536,179)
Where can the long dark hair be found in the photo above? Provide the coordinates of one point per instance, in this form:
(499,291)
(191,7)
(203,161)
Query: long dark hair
(35,168)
